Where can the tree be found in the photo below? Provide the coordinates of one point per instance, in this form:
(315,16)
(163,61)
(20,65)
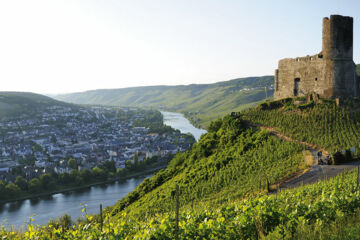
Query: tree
(22,183)
(2,189)
(109,166)
(72,163)
(46,181)
(74,174)
(120,171)
(12,190)
(85,174)
(128,164)
(65,178)
(35,185)
(78,181)
(136,159)
(99,173)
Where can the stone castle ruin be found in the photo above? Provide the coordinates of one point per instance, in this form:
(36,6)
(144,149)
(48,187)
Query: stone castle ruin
(329,74)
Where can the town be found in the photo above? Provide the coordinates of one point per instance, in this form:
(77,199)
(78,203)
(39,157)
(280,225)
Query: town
(31,145)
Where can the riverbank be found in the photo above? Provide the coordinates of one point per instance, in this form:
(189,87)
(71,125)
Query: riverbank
(42,207)
(180,122)
(74,188)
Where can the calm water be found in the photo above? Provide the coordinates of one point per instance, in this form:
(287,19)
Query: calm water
(178,121)
(43,209)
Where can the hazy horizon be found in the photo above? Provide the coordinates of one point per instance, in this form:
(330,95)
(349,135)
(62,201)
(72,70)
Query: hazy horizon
(56,47)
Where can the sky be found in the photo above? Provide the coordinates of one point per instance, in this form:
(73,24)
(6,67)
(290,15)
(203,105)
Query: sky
(63,46)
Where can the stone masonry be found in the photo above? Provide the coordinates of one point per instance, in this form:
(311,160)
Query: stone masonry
(329,74)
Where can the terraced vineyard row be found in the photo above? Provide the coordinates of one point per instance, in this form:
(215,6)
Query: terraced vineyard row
(334,128)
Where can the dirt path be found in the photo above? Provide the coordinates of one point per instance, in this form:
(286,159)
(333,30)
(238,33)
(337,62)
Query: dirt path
(316,172)
(319,172)
(312,147)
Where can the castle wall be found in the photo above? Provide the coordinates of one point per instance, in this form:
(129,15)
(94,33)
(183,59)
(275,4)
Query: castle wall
(307,71)
(331,73)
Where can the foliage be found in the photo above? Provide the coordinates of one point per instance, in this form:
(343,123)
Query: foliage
(324,210)
(35,185)
(201,103)
(223,165)
(72,163)
(326,125)
(22,183)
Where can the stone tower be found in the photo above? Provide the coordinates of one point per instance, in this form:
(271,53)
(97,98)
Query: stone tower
(330,74)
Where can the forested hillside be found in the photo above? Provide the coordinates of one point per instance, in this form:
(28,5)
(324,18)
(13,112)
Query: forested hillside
(201,102)
(15,103)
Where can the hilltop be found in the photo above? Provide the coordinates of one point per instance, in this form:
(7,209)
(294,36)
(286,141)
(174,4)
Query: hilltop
(15,103)
(202,103)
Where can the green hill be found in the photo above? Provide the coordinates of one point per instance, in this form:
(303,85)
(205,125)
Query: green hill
(227,182)
(326,125)
(229,156)
(325,210)
(228,161)
(16,103)
(224,183)
(201,102)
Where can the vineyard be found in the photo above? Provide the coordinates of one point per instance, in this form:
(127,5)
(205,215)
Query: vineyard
(325,210)
(226,184)
(227,163)
(332,127)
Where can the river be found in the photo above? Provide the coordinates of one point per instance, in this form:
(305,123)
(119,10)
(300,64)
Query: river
(42,209)
(178,121)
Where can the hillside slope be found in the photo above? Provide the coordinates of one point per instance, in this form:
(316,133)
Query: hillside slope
(205,102)
(232,160)
(223,182)
(227,163)
(325,125)
(16,103)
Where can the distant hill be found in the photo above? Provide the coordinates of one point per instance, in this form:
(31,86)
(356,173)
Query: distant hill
(205,102)
(15,103)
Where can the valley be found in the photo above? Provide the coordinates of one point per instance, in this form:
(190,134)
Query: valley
(224,181)
(179,120)
(200,103)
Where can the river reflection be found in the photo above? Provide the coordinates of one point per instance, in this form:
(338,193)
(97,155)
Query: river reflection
(178,121)
(52,206)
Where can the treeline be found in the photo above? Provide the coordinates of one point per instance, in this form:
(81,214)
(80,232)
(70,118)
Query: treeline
(53,181)
(153,120)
